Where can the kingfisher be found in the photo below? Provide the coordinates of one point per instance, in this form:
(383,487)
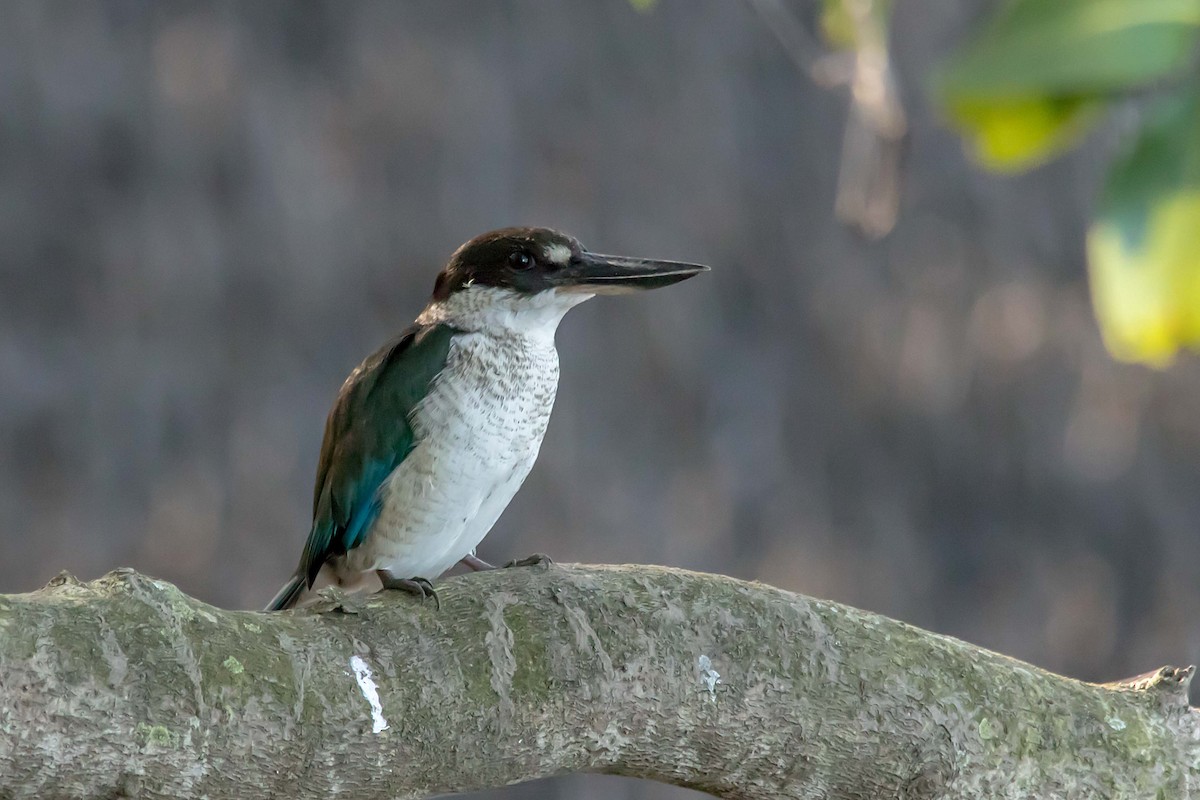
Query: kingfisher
(432,435)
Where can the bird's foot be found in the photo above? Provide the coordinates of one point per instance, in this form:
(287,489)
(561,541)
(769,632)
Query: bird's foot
(475,564)
(536,560)
(418,587)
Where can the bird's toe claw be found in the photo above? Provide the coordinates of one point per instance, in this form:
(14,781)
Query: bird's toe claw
(418,587)
(475,563)
(535,560)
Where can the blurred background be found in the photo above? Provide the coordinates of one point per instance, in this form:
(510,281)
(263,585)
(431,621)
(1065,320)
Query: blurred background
(210,212)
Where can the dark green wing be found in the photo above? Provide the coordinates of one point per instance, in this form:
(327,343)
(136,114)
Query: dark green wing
(367,434)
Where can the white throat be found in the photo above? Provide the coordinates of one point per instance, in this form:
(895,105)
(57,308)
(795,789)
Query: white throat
(501,312)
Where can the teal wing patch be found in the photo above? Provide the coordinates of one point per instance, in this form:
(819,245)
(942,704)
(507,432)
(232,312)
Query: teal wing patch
(367,435)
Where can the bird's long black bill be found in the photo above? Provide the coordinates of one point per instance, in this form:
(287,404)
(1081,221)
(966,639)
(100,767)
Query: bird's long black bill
(602,274)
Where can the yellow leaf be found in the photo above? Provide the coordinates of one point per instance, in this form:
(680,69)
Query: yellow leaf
(1008,135)
(837,25)
(1147,293)
(840,21)
(1144,245)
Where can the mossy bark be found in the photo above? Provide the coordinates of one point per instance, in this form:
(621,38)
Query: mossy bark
(126,687)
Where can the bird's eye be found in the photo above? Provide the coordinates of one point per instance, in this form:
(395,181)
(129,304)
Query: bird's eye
(520,260)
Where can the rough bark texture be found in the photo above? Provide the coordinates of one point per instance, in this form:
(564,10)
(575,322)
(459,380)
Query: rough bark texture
(126,687)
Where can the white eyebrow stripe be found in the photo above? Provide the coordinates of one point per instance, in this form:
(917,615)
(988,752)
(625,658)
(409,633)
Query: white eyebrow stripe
(558,253)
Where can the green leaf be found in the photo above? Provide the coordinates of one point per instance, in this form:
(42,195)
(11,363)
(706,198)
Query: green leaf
(1144,245)
(1074,47)
(1039,75)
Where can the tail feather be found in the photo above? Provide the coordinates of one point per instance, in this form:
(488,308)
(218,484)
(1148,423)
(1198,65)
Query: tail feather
(288,595)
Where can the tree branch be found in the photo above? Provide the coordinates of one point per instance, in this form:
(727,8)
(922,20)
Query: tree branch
(126,687)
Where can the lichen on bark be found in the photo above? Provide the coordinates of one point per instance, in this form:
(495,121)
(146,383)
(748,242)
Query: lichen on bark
(126,686)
